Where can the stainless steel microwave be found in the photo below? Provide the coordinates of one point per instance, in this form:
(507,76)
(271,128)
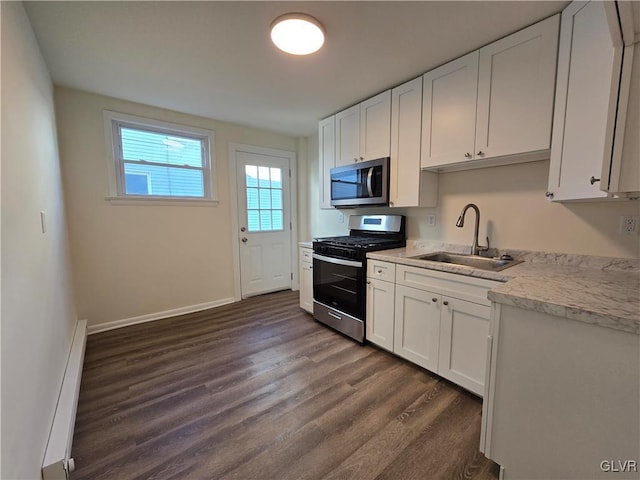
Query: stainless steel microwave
(360,184)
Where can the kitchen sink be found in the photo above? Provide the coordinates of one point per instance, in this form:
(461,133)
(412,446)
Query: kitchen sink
(474,261)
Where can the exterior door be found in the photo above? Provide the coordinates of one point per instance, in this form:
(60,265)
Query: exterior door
(264,216)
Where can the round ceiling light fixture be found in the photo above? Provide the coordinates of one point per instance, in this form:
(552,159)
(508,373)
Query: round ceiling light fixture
(297,33)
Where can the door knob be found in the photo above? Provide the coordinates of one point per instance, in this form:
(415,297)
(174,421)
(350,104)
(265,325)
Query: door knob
(243,229)
(244,239)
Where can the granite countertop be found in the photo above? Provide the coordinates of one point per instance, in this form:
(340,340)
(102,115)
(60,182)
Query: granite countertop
(597,290)
(308,244)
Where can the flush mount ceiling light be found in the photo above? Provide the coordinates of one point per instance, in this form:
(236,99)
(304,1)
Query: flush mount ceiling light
(297,33)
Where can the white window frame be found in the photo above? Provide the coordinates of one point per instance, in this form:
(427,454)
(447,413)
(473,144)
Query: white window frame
(117,196)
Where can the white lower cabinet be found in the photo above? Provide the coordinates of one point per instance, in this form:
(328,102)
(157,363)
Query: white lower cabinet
(417,326)
(437,320)
(379,324)
(306,279)
(464,327)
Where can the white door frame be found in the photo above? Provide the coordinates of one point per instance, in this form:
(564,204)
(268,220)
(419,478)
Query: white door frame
(293,205)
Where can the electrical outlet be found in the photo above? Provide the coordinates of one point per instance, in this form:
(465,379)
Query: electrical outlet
(431,220)
(629,224)
(340,217)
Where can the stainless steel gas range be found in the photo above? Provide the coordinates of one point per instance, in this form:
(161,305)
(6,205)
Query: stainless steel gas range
(340,270)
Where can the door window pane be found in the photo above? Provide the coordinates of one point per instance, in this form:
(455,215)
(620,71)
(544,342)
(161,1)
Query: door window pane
(264,198)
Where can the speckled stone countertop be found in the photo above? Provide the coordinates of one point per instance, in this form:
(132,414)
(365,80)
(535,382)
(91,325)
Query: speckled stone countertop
(308,244)
(598,290)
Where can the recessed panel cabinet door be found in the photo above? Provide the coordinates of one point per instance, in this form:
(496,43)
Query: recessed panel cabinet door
(417,326)
(375,126)
(326,158)
(449,112)
(380,312)
(463,343)
(348,136)
(516,78)
(589,64)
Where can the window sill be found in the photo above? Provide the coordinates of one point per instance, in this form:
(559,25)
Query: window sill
(162,201)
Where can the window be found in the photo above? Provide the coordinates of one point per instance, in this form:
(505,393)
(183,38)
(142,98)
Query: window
(264,198)
(157,160)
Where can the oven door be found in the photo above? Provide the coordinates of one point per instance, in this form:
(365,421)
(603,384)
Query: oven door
(339,283)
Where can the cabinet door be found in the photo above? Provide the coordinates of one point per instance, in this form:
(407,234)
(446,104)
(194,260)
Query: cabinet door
(409,186)
(306,278)
(449,112)
(348,136)
(326,157)
(587,88)
(464,329)
(375,127)
(417,326)
(380,312)
(516,81)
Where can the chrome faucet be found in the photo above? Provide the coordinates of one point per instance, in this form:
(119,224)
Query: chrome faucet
(475,248)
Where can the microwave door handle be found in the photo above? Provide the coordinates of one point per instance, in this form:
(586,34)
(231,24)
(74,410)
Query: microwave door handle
(370,182)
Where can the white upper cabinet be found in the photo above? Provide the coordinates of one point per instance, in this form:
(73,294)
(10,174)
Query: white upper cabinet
(409,187)
(348,136)
(375,126)
(363,131)
(516,83)
(326,158)
(449,112)
(593,84)
(492,106)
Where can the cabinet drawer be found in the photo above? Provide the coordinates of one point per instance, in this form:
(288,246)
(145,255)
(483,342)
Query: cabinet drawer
(381,270)
(306,255)
(458,286)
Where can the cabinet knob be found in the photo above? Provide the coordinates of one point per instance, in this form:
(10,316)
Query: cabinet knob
(361,158)
(368,283)
(434,299)
(593,180)
(467,155)
(445,303)
(549,194)
(480,153)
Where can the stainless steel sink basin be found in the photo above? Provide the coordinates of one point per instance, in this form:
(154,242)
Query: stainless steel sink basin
(474,261)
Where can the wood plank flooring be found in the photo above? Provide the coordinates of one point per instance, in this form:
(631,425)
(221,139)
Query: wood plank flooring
(259,390)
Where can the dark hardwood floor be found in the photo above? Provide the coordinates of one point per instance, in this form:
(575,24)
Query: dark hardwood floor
(259,390)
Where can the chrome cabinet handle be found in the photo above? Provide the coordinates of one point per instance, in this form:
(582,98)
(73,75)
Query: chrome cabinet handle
(467,155)
(549,194)
(593,180)
(445,303)
(480,153)
(434,299)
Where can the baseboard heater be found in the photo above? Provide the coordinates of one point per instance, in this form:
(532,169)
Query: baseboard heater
(57,458)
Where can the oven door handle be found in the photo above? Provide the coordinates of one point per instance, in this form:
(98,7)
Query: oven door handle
(337,261)
(370,182)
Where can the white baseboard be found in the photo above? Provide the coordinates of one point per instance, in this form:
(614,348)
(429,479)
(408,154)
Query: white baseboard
(103,327)
(57,462)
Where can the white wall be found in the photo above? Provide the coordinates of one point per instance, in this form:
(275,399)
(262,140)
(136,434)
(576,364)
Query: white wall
(130,261)
(38,315)
(514,213)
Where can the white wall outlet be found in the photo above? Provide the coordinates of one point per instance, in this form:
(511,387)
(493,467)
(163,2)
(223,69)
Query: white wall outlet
(340,217)
(629,224)
(431,220)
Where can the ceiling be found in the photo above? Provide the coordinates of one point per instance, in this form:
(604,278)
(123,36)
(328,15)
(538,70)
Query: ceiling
(215,59)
